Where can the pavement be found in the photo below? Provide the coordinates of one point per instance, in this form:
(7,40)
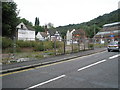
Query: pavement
(34,63)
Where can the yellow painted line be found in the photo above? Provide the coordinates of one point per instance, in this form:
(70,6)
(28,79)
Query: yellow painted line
(33,68)
(45,65)
(15,72)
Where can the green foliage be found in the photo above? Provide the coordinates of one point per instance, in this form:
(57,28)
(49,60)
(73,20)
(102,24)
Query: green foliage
(89,26)
(48,45)
(37,22)
(26,44)
(38,29)
(59,44)
(38,56)
(26,22)
(9,18)
(6,42)
(91,46)
(39,46)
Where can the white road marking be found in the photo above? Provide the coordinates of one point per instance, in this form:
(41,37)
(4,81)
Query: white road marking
(46,82)
(115,56)
(91,65)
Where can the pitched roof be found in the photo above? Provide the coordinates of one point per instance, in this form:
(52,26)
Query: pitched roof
(43,34)
(25,27)
(80,31)
(30,28)
(51,32)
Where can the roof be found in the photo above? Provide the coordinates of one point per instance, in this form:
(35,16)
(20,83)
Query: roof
(80,31)
(52,32)
(43,34)
(111,24)
(108,32)
(25,27)
(30,28)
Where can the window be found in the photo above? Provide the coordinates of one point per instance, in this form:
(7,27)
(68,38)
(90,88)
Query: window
(21,26)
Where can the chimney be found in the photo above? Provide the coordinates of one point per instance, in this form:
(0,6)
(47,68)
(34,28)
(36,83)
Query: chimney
(46,29)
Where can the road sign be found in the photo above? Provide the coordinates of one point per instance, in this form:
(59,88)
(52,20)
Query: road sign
(112,35)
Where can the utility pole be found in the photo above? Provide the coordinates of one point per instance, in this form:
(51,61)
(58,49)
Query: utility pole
(64,40)
(94,32)
(94,35)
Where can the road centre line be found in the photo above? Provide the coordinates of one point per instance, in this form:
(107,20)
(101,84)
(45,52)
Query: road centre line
(40,84)
(65,75)
(91,65)
(115,56)
(112,57)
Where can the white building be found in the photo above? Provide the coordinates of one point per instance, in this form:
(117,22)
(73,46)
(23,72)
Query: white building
(51,35)
(25,32)
(42,36)
(69,36)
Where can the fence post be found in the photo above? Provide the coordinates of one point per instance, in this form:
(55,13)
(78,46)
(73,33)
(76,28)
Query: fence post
(79,45)
(55,46)
(14,46)
(93,40)
(84,44)
(72,45)
(64,44)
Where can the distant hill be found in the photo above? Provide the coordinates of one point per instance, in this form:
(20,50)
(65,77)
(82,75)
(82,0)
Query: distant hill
(89,26)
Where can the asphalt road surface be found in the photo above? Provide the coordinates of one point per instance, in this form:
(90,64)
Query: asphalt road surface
(98,70)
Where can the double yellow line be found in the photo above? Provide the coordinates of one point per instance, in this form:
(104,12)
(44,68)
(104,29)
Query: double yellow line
(1,75)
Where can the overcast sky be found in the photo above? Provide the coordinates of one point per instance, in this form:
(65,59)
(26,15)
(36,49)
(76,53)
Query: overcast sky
(64,12)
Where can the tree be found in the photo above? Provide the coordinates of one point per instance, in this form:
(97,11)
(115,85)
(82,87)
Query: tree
(50,25)
(37,22)
(26,22)
(9,18)
(37,27)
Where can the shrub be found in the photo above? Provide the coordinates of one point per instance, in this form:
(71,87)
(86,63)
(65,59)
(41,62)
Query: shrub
(24,44)
(48,45)
(6,42)
(38,56)
(39,46)
(91,46)
(59,44)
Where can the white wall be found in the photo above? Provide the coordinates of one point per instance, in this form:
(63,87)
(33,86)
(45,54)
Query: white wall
(19,26)
(39,36)
(26,35)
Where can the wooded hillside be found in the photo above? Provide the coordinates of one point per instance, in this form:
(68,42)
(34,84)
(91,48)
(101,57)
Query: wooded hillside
(89,26)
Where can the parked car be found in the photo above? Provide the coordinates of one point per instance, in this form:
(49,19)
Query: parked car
(113,46)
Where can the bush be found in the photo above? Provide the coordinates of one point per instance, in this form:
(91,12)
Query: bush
(38,56)
(6,42)
(59,44)
(48,45)
(39,46)
(91,46)
(24,44)
(11,50)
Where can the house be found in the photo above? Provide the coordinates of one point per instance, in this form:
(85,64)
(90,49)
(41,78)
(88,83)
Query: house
(54,35)
(25,32)
(49,34)
(42,36)
(75,35)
